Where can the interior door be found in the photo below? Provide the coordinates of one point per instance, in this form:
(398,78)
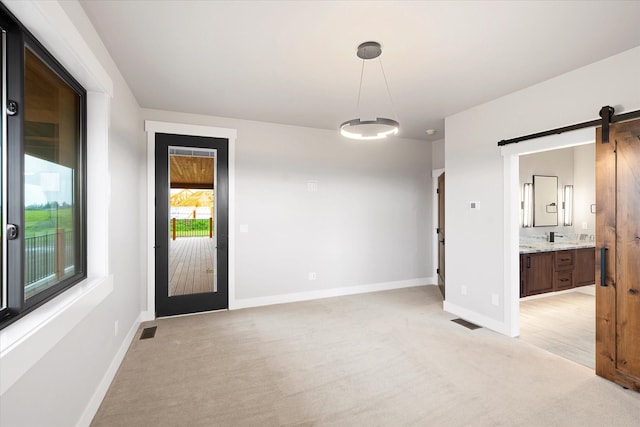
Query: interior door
(440,231)
(191,224)
(618,255)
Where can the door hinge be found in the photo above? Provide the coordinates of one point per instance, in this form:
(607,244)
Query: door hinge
(437,191)
(437,270)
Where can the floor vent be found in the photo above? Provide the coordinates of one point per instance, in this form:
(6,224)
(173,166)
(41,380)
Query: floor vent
(466,324)
(148,333)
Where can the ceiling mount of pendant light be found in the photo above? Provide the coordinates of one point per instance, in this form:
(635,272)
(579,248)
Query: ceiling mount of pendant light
(381,127)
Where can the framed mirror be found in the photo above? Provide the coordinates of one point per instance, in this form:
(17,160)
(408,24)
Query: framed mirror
(545,201)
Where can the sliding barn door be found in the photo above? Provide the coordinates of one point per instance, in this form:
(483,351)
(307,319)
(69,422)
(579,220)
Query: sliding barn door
(618,255)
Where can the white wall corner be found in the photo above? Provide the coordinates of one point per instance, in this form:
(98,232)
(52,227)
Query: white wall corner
(478,318)
(101,391)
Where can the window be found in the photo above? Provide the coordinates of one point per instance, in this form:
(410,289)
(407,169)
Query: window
(43,175)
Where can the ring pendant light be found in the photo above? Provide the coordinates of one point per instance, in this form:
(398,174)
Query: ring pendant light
(381,127)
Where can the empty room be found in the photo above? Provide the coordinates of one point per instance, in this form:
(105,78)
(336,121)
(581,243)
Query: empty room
(328,213)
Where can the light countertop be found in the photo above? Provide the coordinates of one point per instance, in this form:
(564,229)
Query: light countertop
(532,247)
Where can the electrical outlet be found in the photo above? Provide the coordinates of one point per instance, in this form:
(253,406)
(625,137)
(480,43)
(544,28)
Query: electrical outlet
(115,328)
(495,299)
(312,276)
(463,290)
(585,226)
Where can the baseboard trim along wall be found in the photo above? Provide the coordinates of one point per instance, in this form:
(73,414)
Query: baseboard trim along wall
(327,293)
(101,391)
(477,318)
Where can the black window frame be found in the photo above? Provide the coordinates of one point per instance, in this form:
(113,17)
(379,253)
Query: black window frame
(18,39)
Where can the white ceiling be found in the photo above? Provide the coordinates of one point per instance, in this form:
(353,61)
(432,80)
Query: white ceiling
(294,62)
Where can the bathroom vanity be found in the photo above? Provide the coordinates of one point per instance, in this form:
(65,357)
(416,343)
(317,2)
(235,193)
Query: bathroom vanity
(550,267)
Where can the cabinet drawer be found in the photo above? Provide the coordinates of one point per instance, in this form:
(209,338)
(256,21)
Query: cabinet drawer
(563,280)
(564,260)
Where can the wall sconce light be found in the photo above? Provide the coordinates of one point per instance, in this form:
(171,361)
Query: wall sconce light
(527,205)
(567,205)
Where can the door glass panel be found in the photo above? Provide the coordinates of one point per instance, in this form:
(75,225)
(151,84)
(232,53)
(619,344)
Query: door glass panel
(192,213)
(52,210)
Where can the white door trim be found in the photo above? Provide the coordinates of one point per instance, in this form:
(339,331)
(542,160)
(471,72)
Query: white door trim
(153,127)
(511,167)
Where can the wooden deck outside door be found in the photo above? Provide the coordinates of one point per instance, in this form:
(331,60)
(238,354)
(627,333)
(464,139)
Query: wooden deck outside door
(618,249)
(440,231)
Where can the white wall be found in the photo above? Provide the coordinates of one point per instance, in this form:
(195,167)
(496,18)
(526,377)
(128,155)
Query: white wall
(368,224)
(476,240)
(551,163)
(63,387)
(584,191)
(573,166)
(437,154)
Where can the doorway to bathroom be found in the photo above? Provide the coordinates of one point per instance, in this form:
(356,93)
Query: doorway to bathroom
(557,251)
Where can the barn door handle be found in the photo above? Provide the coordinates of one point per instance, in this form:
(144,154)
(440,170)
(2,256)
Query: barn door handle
(603,266)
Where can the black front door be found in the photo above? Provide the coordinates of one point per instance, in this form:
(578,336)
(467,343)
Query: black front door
(191,224)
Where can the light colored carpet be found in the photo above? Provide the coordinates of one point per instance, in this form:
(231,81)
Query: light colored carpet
(564,324)
(382,359)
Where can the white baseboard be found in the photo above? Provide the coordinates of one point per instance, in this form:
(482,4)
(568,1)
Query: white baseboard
(147,316)
(477,318)
(327,293)
(92,407)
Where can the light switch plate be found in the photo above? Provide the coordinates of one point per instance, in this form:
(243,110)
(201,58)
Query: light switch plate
(474,205)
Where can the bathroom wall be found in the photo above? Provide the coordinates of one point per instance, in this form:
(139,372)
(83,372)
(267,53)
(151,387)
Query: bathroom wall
(573,166)
(584,191)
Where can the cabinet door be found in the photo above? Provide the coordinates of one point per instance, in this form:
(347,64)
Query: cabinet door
(538,273)
(585,270)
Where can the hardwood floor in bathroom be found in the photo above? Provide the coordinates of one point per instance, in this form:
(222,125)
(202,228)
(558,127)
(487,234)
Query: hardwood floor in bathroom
(563,324)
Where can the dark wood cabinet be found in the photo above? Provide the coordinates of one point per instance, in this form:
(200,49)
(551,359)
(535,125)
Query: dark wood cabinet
(542,272)
(537,273)
(564,262)
(585,269)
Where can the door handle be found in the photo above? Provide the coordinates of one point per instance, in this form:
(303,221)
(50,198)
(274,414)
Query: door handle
(441,241)
(603,266)
(12,231)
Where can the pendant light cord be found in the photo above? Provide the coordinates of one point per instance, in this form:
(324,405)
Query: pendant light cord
(386,83)
(393,107)
(360,88)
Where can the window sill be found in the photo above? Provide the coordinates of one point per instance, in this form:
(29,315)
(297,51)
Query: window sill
(25,342)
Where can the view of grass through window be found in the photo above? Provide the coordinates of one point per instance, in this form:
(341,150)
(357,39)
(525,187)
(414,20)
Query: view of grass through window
(51,159)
